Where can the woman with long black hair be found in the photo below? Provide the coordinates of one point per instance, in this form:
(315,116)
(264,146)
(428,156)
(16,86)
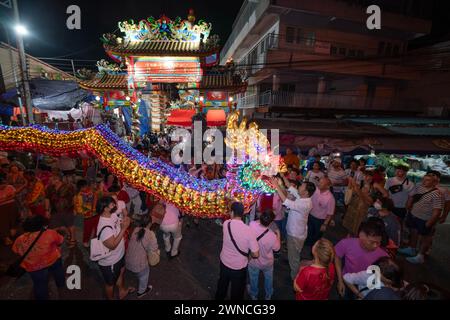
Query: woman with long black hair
(142,243)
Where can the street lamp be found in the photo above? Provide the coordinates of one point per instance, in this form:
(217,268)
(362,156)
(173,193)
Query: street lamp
(21,30)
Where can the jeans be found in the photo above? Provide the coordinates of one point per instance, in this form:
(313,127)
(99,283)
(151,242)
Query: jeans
(339,198)
(238,279)
(173,230)
(143,279)
(294,246)
(40,279)
(253,275)
(314,233)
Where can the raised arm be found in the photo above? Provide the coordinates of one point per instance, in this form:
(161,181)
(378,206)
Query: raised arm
(112,242)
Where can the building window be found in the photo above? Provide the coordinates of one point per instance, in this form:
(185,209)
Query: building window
(351,53)
(381,48)
(310,39)
(262,46)
(272,42)
(342,51)
(290,34)
(334,50)
(300,36)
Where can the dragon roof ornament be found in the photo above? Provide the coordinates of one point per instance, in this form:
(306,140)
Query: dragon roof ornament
(166,29)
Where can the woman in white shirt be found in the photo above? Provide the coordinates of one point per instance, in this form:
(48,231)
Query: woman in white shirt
(315,174)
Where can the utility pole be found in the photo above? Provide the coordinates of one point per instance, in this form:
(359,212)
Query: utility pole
(16,81)
(23,65)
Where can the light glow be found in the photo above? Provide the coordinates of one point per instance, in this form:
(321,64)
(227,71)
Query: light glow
(21,30)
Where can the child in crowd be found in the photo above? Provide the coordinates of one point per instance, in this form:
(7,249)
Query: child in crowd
(315,281)
(85,202)
(383,209)
(390,280)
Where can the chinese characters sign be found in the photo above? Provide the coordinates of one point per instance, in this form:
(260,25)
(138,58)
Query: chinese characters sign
(166,69)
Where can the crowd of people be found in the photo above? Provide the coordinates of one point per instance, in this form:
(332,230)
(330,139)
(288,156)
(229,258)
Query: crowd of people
(383,217)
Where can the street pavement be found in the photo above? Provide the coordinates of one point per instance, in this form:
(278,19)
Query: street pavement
(194,273)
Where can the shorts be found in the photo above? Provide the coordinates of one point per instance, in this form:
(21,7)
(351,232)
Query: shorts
(419,225)
(111,273)
(62,220)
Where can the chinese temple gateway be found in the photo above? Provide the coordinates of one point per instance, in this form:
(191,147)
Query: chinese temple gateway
(167,69)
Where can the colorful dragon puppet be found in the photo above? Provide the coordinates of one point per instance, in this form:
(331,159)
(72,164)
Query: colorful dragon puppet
(194,196)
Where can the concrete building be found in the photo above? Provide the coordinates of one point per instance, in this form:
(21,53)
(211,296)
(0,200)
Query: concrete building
(304,56)
(10,74)
(431,90)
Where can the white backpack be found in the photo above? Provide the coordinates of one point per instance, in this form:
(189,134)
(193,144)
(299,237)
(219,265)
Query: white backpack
(98,249)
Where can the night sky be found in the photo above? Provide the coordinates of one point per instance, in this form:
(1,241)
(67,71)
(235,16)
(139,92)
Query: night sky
(50,37)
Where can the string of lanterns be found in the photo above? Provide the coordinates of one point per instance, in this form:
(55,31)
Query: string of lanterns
(197,197)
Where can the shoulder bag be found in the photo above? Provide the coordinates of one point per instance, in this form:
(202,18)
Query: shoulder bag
(98,249)
(153,256)
(234,242)
(416,198)
(15,270)
(398,187)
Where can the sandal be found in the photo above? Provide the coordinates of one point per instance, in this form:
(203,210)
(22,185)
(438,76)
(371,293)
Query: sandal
(130,291)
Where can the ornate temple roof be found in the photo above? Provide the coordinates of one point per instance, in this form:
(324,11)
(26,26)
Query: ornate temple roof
(219,81)
(162,36)
(163,47)
(105,82)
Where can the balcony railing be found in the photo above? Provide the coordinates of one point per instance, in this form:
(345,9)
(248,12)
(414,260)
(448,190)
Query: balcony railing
(297,100)
(248,10)
(256,58)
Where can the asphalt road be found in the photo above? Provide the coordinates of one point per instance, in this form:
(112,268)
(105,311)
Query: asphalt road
(194,273)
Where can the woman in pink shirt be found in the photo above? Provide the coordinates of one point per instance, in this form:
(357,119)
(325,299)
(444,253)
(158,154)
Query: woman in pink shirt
(268,242)
(322,212)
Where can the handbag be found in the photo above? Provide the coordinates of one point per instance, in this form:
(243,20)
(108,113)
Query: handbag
(348,196)
(98,249)
(15,270)
(153,256)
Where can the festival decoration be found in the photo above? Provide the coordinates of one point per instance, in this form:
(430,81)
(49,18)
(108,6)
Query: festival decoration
(105,66)
(194,196)
(165,29)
